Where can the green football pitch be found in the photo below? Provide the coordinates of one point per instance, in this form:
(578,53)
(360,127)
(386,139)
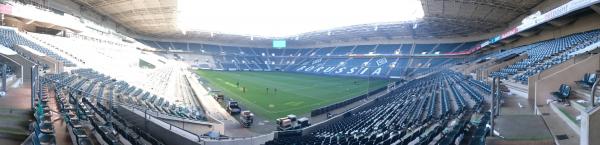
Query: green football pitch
(295,93)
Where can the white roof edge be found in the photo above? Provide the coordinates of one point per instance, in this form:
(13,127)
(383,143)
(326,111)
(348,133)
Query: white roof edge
(6,51)
(35,52)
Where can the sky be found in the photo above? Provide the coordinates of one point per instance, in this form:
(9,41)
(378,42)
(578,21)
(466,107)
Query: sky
(288,18)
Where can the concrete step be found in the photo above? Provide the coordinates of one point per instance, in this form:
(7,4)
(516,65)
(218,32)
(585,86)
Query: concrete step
(579,106)
(583,93)
(558,127)
(501,141)
(510,128)
(12,133)
(516,85)
(567,114)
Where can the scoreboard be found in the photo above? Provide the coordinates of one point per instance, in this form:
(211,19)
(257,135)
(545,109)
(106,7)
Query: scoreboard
(279,44)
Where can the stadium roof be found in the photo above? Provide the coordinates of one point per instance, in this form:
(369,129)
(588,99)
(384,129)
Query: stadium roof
(442,19)
(290,18)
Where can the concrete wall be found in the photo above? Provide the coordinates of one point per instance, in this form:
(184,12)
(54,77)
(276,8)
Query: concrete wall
(171,135)
(77,10)
(258,140)
(336,118)
(54,66)
(590,122)
(13,22)
(542,84)
(16,67)
(479,74)
(209,103)
(25,64)
(22,24)
(161,133)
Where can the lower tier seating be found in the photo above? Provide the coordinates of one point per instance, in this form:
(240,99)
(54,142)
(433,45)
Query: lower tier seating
(415,113)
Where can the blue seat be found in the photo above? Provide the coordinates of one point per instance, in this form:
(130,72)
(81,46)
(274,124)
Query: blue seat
(563,92)
(587,81)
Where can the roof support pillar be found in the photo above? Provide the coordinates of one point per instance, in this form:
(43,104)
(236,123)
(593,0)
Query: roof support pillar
(596,8)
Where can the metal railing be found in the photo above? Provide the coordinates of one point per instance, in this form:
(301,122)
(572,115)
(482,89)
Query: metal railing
(495,95)
(593,96)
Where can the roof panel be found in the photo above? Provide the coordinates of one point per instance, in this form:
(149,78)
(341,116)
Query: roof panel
(443,18)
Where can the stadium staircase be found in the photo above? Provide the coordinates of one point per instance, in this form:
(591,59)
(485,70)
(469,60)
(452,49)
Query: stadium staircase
(14,125)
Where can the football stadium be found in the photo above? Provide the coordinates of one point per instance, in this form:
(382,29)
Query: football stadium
(299,72)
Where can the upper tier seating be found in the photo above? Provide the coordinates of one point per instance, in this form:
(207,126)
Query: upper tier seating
(343,50)
(335,60)
(392,48)
(180,46)
(323,51)
(465,46)
(543,55)
(363,49)
(398,67)
(447,47)
(9,38)
(424,48)
(326,51)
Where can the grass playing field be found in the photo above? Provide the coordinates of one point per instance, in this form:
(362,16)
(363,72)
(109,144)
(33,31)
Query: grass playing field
(296,93)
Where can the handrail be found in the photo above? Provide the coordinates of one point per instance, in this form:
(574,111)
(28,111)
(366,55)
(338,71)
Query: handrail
(494,87)
(593,96)
(497,93)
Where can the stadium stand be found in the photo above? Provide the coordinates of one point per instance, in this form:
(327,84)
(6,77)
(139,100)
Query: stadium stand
(134,96)
(89,120)
(392,49)
(11,38)
(329,60)
(428,115)
(540,58)
(43,131)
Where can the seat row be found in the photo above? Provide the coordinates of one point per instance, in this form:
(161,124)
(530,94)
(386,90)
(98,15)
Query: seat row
(416,113)
(92,109)
(71,115)
(545,54)
(139,97)
(43,128)
(9,38)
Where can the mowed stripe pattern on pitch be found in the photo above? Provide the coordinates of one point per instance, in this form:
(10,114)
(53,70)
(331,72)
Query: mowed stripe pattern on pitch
(296,93)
